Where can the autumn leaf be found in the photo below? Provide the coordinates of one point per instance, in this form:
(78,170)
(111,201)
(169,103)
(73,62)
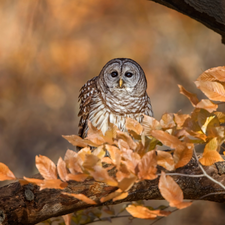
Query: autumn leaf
(127,138)
(213,74)
(78,141)
(192,97)
(147,166)
(210,154)
(120,197)
(207,105)
(90,161)
(115,154)
(180,119)
(122,172)
(46,167)
(111,196)
(34,180)
(62,170)
(81,197)
(132,124)
(77,177)
(56,184)
(6,173)
(127,182)
(143,212)
(67,218)
(213,90)
(130,159)
(165,160)
(149,124)
(171,192)
(167,121)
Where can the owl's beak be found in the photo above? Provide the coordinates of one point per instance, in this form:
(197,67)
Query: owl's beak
(120,82)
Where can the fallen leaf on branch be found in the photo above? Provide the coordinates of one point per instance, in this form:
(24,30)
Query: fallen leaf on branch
(78,141)
(147,166)
(132,124)
(56,184)
(171,192)
(81,197)
(6,173)
(165,160)
(77,177)
(62,170)
(111,196)
(127,182)
(34,180)
(120,197)
(143,212)
(46,167)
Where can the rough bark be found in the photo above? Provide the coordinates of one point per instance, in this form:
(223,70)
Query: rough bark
(211,13)
(28,205)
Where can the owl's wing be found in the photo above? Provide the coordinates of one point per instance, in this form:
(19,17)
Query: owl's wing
(85,97)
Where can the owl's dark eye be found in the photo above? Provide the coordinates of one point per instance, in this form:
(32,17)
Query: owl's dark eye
(128,74)
(114,74)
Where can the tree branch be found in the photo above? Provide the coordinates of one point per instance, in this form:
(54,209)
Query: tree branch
(28,205)
(211,13)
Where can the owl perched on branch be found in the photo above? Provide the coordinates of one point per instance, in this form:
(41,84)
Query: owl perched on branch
(119,91)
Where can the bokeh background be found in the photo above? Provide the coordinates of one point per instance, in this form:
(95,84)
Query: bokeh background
(50,48)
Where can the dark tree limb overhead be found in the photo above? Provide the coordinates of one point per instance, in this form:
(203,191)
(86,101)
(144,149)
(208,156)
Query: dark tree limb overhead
(211,13)
(28,205)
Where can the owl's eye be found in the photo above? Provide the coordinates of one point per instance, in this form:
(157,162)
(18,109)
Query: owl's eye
(128,74)
(114,74)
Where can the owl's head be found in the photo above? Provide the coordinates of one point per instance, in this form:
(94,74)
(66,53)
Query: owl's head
(122,76)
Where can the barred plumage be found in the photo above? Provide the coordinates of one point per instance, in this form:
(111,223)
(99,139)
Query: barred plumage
(118,92)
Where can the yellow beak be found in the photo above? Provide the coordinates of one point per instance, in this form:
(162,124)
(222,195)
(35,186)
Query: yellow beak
(121,82)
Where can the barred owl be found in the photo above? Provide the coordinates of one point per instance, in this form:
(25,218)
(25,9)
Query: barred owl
(119,91)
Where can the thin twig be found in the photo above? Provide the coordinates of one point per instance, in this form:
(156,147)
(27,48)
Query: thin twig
(216,193)
(184,175)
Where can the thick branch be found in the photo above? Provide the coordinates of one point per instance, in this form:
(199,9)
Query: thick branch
(27,205)
(211,13)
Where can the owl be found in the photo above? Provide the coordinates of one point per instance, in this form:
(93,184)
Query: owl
(118,92)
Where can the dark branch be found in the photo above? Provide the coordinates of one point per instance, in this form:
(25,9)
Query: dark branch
(211,13)
(28,205)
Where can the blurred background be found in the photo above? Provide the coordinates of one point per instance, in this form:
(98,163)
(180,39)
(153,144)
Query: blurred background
(50,48)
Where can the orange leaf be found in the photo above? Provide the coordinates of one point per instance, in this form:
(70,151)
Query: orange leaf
(120,197)
(192,97)
(171,191)
(213,90)
(101,174)
(182,156)
(147,166)
(143,212)
(67,218)
(130,159)
(167,121)
(149,124)
(207,105)
(127,138)
(78,141)
(210,154)
(132,124)
(127,183)
(180,119)
(111,196)
(90,161)
(77,177)
(213,74)
(34,180)
(115,154)
(81,197)
(122,173)
(61,168)
(165,160)
(56,184)
(46,167)
(6,173)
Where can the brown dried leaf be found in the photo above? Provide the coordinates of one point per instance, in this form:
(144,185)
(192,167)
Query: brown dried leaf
(111,196)
(165,160)
(73,161)
(99,152)
(34,181)
(115,154)
(213,74)
(132,124)
(180,119)
(81,197)
(127,138)
(149,124)
(90,161)
(220,116)
(6,173)
(56,184)
(123,146)
(143,212)
(192,97)
(167,121)
(101,174)
(122,173)
(67,218)
(78,141)
(127,183)
(213,90)
(210,154)
(131,160)
(182,156)
(46,167)
(147,166)
(62,170)
(207,105)
(171,191)
(120,197)
(77,177)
